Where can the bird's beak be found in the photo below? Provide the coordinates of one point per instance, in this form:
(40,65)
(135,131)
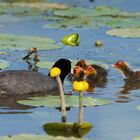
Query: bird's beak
(71,71)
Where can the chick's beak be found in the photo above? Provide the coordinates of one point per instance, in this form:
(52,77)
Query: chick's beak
(116,66)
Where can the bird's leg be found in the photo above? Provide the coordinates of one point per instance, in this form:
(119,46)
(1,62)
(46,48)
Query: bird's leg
(36,57)
(29,65)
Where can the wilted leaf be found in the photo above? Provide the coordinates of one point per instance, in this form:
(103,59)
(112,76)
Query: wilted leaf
(54,101)
(18,42)
(67,129)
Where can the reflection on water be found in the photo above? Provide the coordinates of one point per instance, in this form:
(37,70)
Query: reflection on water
(93,85)
(32,66)
(124,96)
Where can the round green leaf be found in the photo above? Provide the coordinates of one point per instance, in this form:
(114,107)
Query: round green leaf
(18,42)
(54,101)
(24,8)
(125,32)
(75,17)
(71,40)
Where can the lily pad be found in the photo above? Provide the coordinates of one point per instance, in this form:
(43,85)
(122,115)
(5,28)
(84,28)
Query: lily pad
(18,42)
(77,17)
(49,64)
(3,53)
(67,129)
(28,8)
(138,107)
(137,138)
(54,101)
(36,137)
(45,64)
(4,64)
(125,32)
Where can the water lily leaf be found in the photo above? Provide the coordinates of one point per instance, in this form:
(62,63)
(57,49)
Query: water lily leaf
(75,17)
(49,64)
(28,8)
(138,107)
(67,129)
(4,64)
(37,137)
(18,42)
(73,12)
(125,32)
(137,138)
(54,101)
(45,64)
(3,53)
(71,40)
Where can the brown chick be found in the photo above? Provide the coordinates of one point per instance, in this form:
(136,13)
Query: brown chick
(126,71)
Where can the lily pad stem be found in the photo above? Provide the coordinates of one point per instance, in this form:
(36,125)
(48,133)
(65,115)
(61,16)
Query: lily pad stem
(62,98)
(80,115)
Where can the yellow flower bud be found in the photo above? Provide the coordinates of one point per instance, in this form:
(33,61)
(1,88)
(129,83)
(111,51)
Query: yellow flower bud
(98,43)
(86,85)
(80,86)
(54,72)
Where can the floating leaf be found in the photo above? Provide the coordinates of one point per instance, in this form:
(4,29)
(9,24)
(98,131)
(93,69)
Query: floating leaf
(73,12)
(138,107)
(138,138)
(4,64)
(28,8)
(125,32)
(54,101)
(37,137)
(77,17)
(49,64)
(67,129)
(3,53)
(45,64)
(71,39)
(18,42)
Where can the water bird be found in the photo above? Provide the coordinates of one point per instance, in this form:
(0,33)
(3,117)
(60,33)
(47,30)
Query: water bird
(128,73)
(30,83)
(30,52)
(93,72)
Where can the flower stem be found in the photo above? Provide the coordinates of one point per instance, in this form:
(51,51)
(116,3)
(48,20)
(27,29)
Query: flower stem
(80,115)
(62,98)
